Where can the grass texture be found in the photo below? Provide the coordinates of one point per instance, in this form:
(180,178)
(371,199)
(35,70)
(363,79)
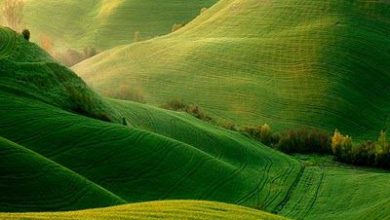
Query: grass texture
(288,63)
(155,210)
(58,153)
(103,24)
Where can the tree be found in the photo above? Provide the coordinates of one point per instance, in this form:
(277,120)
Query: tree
(26,34)
(342,146)
(265,134)
(382,141)
(12,11)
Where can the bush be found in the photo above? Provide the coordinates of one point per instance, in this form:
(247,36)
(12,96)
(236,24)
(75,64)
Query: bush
(26,34)
(194,110)
(70,57)
(369,153)
(383,143)
(341,144)
(263,133)
(228,125)
(305,141)
(197,112)
(175,105)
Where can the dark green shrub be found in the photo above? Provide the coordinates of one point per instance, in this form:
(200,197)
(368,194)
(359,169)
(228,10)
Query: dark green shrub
(368,153)
(263,133)
(175,105)
(194,110)
(305,141)
(228,125)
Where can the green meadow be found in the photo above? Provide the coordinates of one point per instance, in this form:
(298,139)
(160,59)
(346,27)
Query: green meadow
(92,141)
(245,62)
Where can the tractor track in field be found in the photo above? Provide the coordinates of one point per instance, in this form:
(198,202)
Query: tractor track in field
(309,188)
(281,205)
(309,209)
(284,176)
(260,185)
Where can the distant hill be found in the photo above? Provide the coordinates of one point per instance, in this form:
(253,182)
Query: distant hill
(287,63)
(103,24)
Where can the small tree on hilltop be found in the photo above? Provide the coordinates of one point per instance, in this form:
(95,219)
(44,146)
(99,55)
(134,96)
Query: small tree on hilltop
(26,34)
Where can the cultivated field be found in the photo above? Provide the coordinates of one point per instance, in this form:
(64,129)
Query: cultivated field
(244,61)
(68,152)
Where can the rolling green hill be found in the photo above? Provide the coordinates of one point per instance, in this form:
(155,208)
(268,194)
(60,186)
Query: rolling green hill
(54,156)
(105,23)
(287,63)
(133,164)
(43,184)
(155,210)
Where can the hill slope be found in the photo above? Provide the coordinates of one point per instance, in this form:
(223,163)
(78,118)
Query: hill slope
(132,164)
(325,66)
(35,180)
(155,210)
(89,162)
(25,65)
(104,23)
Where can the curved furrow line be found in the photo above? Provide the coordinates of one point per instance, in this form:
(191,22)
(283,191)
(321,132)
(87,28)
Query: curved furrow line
(220,182)
(317,190)
(260,185)
(184,177)
(146,171)
(283,178)
(305,195)
(291,189)
(7,42)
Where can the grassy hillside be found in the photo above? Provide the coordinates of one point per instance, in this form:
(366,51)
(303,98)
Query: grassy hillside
(25,65)
(31,182)
(105,23)
(331,191)
(133,164)
(243,60)
(53,157)
(155,210)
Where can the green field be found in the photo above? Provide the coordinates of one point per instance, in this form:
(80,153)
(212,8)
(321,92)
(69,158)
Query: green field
(61,150)
(244,61)
(119,163)
(155,210)
(105,23)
